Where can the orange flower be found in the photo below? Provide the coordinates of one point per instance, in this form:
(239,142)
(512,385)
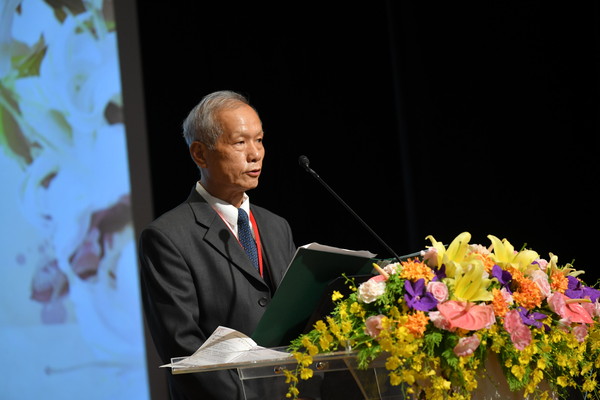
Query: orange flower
(500,305)
(488,263)
(415,270)
(528,293)
(559,282)
(417,323)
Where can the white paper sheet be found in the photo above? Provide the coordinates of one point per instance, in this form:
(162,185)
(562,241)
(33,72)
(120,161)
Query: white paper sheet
(227,345)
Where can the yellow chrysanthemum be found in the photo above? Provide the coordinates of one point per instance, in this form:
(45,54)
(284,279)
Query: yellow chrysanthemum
(293,392)
(306,373)
(309,346)
(408,376)
(590,384)
(561,360)
(356,308)
(303,359)
(541,363)
(320,326)
(394,379)
(562,381)
(290,376)
(325,342)
(518,371)
(392,363)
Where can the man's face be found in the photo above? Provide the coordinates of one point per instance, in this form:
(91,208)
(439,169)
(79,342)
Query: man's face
(234,165)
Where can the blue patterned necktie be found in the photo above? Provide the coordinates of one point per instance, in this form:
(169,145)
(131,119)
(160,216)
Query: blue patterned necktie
(245,236)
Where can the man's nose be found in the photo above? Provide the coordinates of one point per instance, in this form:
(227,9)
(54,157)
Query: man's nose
(255,151)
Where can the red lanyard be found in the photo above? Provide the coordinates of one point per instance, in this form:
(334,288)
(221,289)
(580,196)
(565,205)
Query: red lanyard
(258,246)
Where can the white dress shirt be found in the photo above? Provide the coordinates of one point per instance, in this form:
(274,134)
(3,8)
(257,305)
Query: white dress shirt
(227,211)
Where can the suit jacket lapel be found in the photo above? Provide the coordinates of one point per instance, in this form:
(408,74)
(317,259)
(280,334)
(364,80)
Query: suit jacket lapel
(219,236)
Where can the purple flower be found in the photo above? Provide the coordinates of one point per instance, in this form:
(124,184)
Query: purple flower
(531,318)
(417,297)
(578,291)
(504,277)
(440,273)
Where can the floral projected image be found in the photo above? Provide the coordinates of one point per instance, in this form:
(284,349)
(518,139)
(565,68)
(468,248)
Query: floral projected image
(70,319)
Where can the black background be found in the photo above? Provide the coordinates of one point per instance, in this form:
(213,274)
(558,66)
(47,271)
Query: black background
(427,118)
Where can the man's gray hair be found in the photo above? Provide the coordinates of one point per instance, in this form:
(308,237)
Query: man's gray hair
(202,123)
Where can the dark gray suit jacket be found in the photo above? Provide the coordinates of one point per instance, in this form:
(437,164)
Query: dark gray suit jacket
(195,276)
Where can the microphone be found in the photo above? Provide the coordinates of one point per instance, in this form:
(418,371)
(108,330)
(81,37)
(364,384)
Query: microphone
(304,163)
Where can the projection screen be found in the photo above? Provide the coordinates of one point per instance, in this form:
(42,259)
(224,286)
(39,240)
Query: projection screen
(70,320)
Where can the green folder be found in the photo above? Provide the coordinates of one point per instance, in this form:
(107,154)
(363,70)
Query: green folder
(314,266)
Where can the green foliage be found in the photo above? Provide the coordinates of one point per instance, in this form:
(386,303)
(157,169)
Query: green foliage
(432,341)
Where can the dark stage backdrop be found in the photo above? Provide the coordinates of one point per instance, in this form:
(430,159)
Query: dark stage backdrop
(426,119)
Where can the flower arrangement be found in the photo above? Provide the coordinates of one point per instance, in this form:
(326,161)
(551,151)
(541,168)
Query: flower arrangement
(437,318)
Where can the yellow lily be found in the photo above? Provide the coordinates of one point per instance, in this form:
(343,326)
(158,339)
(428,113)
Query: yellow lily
(441,249)
(566,270)
(458,248)
(504,254)
(454,254)
(471,285)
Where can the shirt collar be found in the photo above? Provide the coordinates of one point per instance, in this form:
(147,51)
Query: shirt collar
(227,211)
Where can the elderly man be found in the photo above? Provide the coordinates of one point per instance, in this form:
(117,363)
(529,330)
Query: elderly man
(215,259)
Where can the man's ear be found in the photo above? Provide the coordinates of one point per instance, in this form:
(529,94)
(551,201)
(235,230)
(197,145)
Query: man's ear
(198,152)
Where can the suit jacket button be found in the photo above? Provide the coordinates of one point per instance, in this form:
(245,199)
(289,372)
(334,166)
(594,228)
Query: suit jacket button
(263,301)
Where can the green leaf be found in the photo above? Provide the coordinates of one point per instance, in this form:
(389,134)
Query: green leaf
(29,63)
(12,138)
(432,340)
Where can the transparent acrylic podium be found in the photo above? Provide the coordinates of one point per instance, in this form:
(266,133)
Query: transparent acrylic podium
(372,382)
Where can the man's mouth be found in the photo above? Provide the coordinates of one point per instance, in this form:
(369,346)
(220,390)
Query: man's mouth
(253,172)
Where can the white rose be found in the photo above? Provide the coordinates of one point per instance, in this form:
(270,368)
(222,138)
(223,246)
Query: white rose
(371,290)
(392,268)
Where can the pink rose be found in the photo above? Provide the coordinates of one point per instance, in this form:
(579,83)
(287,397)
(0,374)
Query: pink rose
(580,332)
(542,263)
(512,321)
(439,321)
(466,345)
(466,315)
(521,337)
(571,312)
(520,334)
(430,257)
(541,280)
(373,326)
(439,290)
(507,296)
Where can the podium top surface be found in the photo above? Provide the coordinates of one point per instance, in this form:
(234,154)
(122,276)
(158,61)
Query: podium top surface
(275,363)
